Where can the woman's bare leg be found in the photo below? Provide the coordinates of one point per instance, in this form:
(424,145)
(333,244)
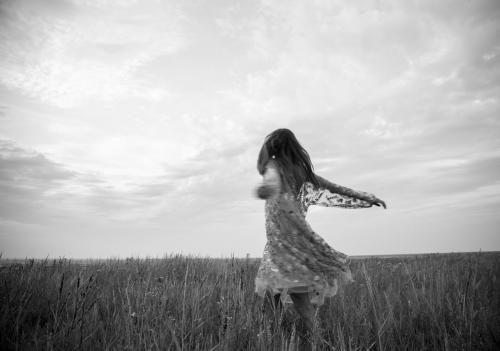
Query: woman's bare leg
(304,307)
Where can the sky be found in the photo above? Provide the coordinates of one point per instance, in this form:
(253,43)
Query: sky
(132,128)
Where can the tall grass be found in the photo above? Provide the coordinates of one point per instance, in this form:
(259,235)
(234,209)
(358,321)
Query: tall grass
(427,302)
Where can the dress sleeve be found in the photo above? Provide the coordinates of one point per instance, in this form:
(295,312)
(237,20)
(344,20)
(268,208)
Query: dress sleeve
(271,182)
(311,195)
(341,190)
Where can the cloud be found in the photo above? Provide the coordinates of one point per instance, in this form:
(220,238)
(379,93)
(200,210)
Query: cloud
(382,129)
(26,177)
(339,63)
(35,189)
(29,167)
(74,54)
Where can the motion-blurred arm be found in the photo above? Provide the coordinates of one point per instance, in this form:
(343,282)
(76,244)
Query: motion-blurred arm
(271,182)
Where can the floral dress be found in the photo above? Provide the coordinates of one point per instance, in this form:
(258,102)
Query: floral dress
(296,259)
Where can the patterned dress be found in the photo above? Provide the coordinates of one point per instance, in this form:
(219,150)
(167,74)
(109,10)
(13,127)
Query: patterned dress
(296,259)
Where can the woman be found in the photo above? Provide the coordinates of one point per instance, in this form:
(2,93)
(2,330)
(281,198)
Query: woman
(296,260)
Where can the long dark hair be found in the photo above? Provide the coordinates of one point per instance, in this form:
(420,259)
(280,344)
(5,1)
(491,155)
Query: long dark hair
(294,161)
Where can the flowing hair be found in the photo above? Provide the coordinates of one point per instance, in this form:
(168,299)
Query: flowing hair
(294,161)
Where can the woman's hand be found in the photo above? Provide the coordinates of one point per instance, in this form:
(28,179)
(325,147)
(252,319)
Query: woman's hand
(266,191)
(378,202)
(271,184)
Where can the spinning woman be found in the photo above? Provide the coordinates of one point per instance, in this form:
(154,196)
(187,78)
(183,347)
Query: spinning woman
(296,260)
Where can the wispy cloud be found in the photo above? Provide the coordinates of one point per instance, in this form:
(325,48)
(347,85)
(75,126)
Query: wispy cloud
(64,56)
(26,177)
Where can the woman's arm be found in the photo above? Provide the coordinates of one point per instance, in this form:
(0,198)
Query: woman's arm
(271,182)
(338,189)
(312,195)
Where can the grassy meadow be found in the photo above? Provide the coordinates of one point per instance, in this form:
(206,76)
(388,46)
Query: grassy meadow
(424,302)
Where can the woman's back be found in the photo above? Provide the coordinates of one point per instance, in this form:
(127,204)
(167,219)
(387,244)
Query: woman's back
(296,260)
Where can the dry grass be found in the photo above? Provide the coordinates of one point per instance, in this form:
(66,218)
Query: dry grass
(428,302)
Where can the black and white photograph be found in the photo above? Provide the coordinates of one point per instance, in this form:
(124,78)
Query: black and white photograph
(249,175)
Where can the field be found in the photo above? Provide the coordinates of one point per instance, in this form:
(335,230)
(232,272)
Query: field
(425,302)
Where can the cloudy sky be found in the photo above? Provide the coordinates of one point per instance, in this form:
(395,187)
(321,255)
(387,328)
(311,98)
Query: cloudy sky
(131,128)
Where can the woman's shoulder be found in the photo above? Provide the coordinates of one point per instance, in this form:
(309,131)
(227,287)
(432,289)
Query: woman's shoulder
(273,165)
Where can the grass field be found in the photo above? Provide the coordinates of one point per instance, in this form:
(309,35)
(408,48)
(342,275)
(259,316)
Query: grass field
(425,302)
